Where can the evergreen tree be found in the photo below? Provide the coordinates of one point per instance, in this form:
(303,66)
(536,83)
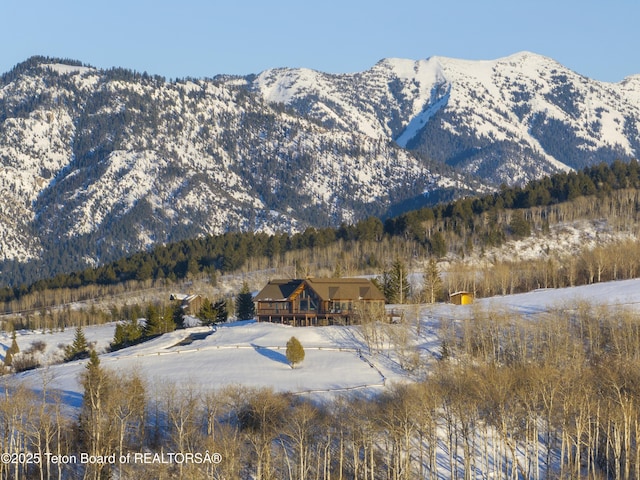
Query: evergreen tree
(153,324)
(167,321)
(295,352)
(13,349)
(207,313)
(119,336)
(126,334)
(245,308)
(177,314)
(8,359)
(395,283)
(222,312)
(79,348)
(519,226)
(437,245)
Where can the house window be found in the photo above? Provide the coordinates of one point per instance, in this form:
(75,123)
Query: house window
(308,302)
(307,305)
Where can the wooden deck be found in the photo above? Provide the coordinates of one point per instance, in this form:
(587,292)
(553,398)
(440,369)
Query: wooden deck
(307,319)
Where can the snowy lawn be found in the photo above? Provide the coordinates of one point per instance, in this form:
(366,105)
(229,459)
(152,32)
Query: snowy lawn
(253,354)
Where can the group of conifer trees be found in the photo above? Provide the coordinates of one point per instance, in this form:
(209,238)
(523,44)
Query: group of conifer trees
(457,227)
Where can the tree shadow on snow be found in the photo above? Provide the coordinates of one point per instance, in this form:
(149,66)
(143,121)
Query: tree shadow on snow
(271,354)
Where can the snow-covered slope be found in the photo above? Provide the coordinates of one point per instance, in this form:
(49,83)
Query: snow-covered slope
(96,164)
(253,354)
(510,119)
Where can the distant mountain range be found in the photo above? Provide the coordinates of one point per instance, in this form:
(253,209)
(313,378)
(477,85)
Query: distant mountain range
(95,164)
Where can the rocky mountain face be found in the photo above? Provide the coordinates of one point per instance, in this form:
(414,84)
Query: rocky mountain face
(95,164)
(509,120)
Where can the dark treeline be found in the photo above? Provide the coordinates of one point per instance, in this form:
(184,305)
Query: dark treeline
(463,213)
(474,221)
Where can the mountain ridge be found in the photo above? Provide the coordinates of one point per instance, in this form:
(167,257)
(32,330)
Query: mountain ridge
(516,102)
(100,163)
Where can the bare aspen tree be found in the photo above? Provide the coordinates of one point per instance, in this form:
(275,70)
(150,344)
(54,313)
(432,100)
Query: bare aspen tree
(183,425)
(261,420)
(370,320)
(400,340)
(397,414)
(95,425)
(226,436)
(128,412)
(427,398)
(301,425)
(432,282)
(44,425)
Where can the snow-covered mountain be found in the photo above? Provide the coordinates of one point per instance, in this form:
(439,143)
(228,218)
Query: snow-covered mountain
(95,164)
(507,120)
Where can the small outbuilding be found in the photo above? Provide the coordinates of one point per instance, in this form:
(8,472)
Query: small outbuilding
(191,304)
(461,298)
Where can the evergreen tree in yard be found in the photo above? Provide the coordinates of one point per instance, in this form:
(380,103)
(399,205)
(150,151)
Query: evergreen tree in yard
(245,309)
(177,314)
(126,334)
(13,349)
(222,313)
(79,348)
(207,313)
(212,313)
(384,285)
(400,281)
(167,321)
(295,352)
(395,283)
(153,325)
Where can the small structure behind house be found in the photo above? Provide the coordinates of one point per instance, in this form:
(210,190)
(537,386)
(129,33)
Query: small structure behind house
(190,303)
(319,301)
(461,298)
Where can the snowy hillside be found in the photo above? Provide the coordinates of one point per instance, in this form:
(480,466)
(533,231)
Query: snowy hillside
(253,354)
(470,417)
(510,119)
(97,164)
(105,163)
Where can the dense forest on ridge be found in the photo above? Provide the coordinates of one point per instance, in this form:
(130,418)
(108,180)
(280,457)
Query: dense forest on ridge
(456,227)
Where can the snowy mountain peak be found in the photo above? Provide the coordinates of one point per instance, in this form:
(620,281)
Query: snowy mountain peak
(99,163)
(500,119)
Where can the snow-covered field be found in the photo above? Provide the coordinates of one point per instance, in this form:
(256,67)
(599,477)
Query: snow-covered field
(247,353)
(253,354)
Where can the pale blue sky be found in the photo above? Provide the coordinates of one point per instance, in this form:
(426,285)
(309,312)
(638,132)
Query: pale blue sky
(203,38)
